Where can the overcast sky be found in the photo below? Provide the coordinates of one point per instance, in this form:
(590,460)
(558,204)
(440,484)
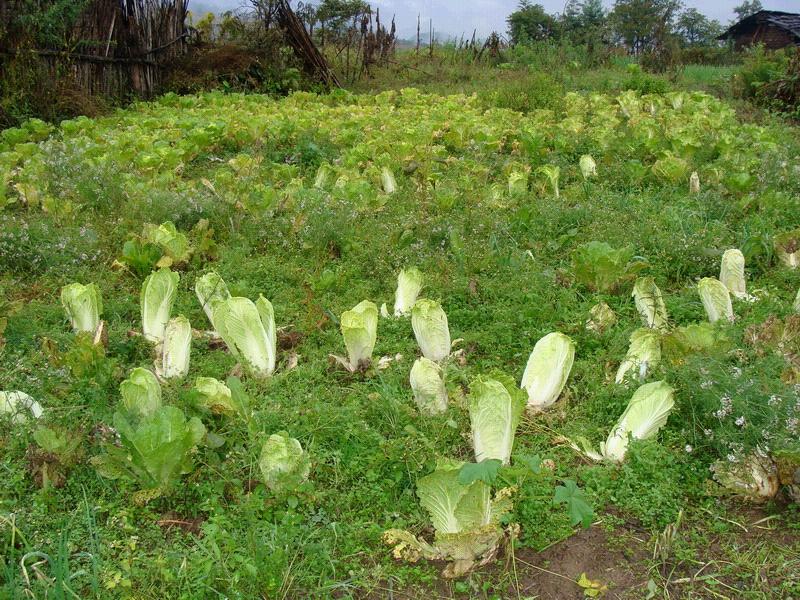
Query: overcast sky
(462,16)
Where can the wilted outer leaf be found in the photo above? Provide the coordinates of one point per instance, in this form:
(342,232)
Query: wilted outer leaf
(18,405)
(158,295)
(693,339)
(429,322)
(409,284)
(716,299)
(172,242)
(755,477)
(283,463)
(787,248)
(650,303)
(547,370)
(83,305)
(141,393)
(600,266)
(551,172)
(731,273)
(517,182)
(428,386)
(644,354)
(494,413)
(173,362)
(210,289)
(455,508)
(645,415)
(601,317)
(359,327)
(215,396)
(248,330)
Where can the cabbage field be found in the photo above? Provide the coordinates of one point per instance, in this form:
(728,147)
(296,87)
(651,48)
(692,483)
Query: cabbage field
(400,345)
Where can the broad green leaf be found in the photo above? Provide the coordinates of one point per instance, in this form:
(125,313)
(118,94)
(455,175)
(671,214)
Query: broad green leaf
(576,501)
(485,471)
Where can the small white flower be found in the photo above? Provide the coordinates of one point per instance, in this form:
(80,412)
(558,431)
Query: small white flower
(688,448)
(740,421)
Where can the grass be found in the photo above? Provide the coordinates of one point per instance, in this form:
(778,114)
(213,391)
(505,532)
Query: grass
(501,265)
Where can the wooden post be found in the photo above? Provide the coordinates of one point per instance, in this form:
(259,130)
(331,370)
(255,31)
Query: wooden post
(418,34)
(430,32)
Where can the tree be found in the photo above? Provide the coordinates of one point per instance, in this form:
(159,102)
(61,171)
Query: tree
(531,22)
(336,17)
(583,21)
(307,13)
(747,8)
(696,29)
(644,24)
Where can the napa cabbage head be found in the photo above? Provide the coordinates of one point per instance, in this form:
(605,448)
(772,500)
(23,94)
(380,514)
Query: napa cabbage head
(214,396)
(141,393)
(83,305)
(284,464)
(731,273)
(753,477)
(588,166)
(644,355)
(388,181)
(466,518)
(248,330)
(650,303)
(173,355)
(645,415)
(694,183)
(359,327)
(409,285)
(210,289)
(158,295)
(517,182)
(427,383)
(551,173)
(548,369)
(787,248)
(495,409)
(18,406)
(601,318)
(173,243)
(716,299)
(429,322)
